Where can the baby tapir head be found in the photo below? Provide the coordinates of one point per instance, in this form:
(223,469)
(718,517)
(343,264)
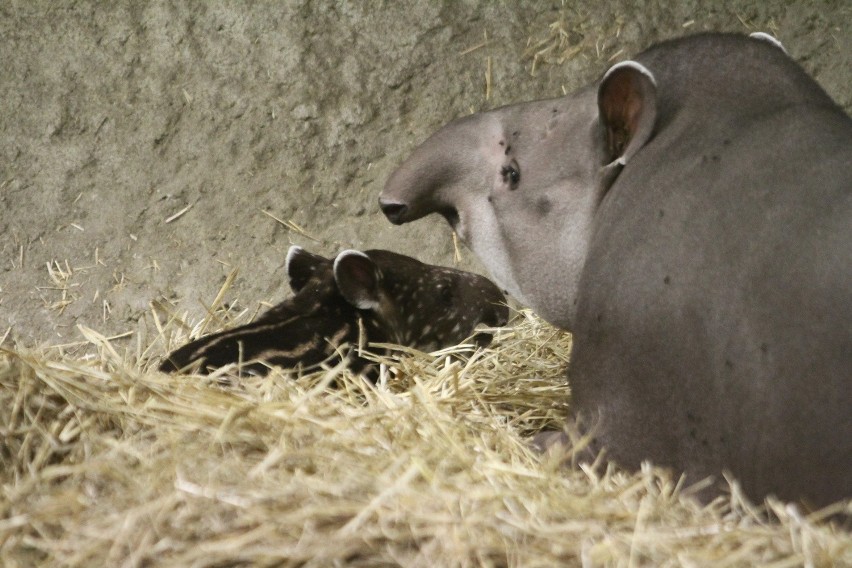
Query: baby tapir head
(416,304)
(389,297)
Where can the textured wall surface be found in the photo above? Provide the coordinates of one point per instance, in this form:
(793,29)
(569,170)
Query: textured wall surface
(148,149)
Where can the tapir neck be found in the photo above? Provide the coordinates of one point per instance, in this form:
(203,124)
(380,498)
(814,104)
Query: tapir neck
(547,262)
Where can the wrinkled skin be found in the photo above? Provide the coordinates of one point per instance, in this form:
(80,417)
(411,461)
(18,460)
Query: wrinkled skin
(375,296)
(689,219)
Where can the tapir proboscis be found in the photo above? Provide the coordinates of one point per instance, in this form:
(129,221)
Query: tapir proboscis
(688,217)
(375,296)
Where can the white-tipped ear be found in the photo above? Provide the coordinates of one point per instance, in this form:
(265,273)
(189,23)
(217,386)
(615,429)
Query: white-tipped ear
(636,66)
(301,266)
(763,36)
(357,278)
(294,250)
(627,107)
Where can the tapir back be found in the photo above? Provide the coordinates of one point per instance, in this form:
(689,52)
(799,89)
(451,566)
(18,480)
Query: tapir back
(715,305)
(301,332)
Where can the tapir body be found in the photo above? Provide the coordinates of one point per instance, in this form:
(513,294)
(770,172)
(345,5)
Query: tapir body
(375,296)
(689,219)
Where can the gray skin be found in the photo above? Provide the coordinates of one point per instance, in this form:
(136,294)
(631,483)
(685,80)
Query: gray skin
(375,296)
(689,219)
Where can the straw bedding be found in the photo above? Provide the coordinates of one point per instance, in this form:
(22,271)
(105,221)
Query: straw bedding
(106,461)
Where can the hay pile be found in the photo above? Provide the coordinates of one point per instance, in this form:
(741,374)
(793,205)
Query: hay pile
(105,462)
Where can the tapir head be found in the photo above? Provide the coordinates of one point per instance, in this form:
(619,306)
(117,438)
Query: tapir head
(416,304)
(521,184)
(402,300)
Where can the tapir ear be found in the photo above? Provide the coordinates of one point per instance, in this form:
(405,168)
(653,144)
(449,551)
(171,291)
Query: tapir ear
(358,279)
(302,265)
(627,103)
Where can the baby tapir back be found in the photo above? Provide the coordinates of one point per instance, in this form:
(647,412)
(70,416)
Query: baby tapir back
(391,297)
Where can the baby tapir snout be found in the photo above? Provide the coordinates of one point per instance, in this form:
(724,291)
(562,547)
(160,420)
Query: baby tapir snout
(430,306)
(359,297)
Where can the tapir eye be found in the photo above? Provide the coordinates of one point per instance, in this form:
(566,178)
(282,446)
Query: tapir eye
(446,294)
(511,174)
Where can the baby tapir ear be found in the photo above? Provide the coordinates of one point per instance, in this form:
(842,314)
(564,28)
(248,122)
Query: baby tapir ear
(627,103)
(302,265)
(357,278)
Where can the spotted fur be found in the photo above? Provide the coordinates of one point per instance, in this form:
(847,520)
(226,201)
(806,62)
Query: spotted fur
(374,296)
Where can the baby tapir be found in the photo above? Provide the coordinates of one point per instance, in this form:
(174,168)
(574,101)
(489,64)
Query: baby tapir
(387,297)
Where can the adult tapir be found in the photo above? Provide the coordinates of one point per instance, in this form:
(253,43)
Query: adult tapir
(689,218)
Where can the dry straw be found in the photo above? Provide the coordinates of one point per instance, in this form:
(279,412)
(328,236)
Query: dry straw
(106,462)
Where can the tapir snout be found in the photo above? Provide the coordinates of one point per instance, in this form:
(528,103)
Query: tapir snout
(395,212)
